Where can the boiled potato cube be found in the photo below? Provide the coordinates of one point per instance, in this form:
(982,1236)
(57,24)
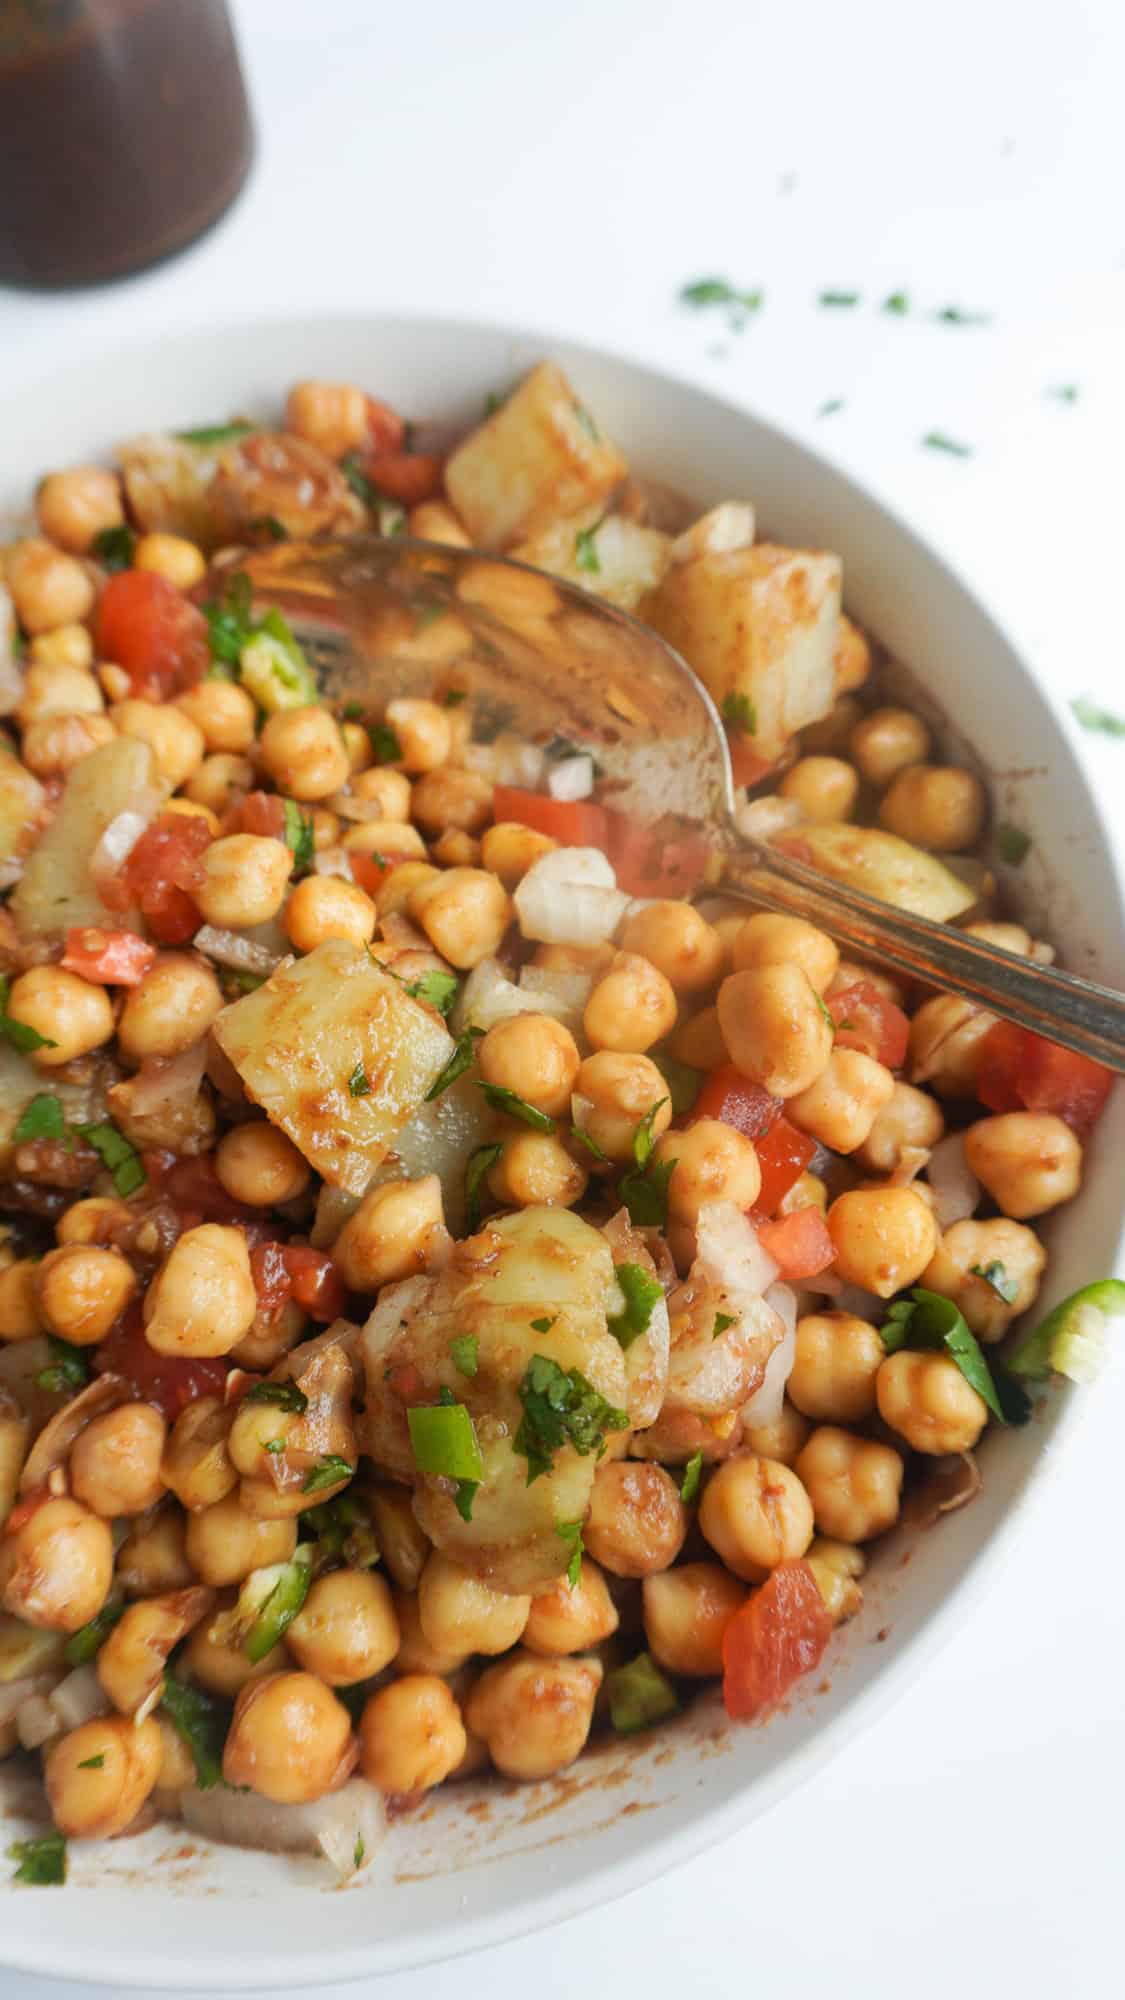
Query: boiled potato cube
(308,1042)
(606,554)
(759,625)
(56,889)
(864,857)
(539,456)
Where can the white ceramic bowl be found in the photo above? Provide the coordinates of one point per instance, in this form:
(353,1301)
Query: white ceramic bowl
(481,1864)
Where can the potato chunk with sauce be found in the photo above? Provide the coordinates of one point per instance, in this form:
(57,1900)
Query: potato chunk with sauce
(303,1038)
(540,455)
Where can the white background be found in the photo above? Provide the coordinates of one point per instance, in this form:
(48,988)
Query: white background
(571,168)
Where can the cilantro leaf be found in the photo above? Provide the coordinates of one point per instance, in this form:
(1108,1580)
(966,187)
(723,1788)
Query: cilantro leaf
(84,1645)
(830,407)
(896,302)
(1101,721)
(359,1083)
(464,1496)
(114,548)
(358,1851)
(18,1033)
(230,622)
(115,1152)
(299,835)
(1063,392)
(464,1352)
(67,1367)
(1012,843)
(357,479)
(93,1763)
(641,1291)
(437,989)
(215,434)
(513,1106)
(385,746)
(939,441)
(590,1144)
(957,316)
(644,1138)
(331,1470)
(462,1059)
(571,1533)
(42,1863)
(722,1321)
(995,1274)
(561,1407)
(41,1119)
(201,1722)
(739,713)
(693,1473)
(645,1194)
(477,1166)
(586,551)
(831,298)
(928,1320)
(453,697)
(283,1396)
(545,1324)
(719,292)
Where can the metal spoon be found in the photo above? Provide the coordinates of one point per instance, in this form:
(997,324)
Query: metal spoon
(536,659)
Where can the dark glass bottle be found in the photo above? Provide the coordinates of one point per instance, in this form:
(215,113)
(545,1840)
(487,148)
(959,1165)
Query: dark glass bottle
(124,132)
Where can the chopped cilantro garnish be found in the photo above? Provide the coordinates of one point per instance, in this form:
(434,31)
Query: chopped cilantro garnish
(114,547)
(938,441)
(590,1144)
(995,1274)
(561,1407)
(928,1320)
(1063,392)
(739,713)
(693,1473)
(830,408)
(586,550)
(641,1290)
(385,746)
(571,1533)
(359,1083)
(83,1645)
(42,1863)
(67,1368)
(644,1138)
(464,1352)
(957,316)
(357,479)
(115,1152)
(41,1119)
(298,835)
(17,1032)
(722,1321)
(282,1395)
(437,989)
(896,302)
(213,434)
(200,1720)
(1012,843)
(719,292)
(545,1324)
(93,1763)
(358,1851)
(1101,720)
(269,527)
(331,1470)
(645,1193)
(461,1060)
(513,1106)
(465,1495)
(279,1608)
(453,697)
(831,298)
(479,1162)
(493,402)
(230,622)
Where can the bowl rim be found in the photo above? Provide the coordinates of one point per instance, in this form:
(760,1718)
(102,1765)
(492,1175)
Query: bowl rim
(57,1953)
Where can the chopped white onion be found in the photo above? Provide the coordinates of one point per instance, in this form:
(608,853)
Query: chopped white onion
(571,778)
(37,1722)
(570,897)
(52,1446)
(242,954)
(727,527)
(11,681)
(116,845)
(488,996)
(563,994)
(167,1083)
(333,861)
(956,1190)
(761,819)
(10,873)
(727,1242)
(342,1825)
(765,1404)
(79,1698)
(13,1694)
(507,761)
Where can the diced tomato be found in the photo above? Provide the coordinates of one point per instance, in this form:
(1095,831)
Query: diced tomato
(405,1378)
(385,427)
(372,870)
(731,1097)
(406,476)
(193,1188)
(317,1285)
(160,873)
(783,1154)
(262,813)
(146,627)
(1022,1071)
(799,1243)
(647,863)
(572,822)
(865,1019)
(107,958)
(778,1635)
(747,768)
(162,1379)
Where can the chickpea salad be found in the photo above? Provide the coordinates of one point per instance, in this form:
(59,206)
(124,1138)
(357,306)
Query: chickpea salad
(461,1293)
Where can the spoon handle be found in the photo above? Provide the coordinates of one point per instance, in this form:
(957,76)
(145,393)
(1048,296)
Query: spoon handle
(1080,1015)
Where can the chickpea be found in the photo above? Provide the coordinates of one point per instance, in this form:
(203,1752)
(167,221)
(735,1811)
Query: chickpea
(807,1192)
(838,1358)
(325,828)
(224,1543)
(637,1521)
(927,1400)
(534,1056)
(698,1041)
(222,712)
(630,1007)
(303,751)
(19,1301)
(177,560)
(386,788)
(969,1248)
(425,737)
(49,692)
(323,906)
(686,1613)
(680,943)
(829,737)
(346,1630)
(765,939)
(464,913)
(258,1165)
(219,1663)
(411,1735)
(257,1427)
(840,1108)
(850,973)
(390,838)
(115,1461)
(455,849)
(99,1775)
(851,660)
(782,1439)
(837,1568)
(775,1027)
(936,806)
(620,1090)
(415,1653)
(853,1483)
(435,521)
(591,958)
(571,1618)
(132,1660)
(55,745)
(886,742)
(713,1163)
(66,646)
(390,1234)
(945,1044)
(96,1219)
(534,1714)
(244,879)
(175,741)
(81,1289)
(202,1300)
(403,1545)
(56,1569)
(1028,1161)
(221,781)
(332,415)
(171,1009)
(290,1739)
(114,682)
(755,1513)
(883,1237)
(509,850)
(535,1169)
(357,743)
(73,1016)
(909,1119)
(47,587)
(177,1765)
(449,797)
(151,1559)
(825,787)
(74,507)
(460,1614)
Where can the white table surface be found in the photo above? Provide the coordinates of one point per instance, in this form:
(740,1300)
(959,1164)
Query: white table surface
(571,171)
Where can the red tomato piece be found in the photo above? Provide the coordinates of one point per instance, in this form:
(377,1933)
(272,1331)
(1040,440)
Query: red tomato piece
(778,1635)
(372,870)
(262,813)
(866,1020)
(799,1243)
(731,1097)
(1022,1071)
(406,476)
(783,1154)
(572,822)
(647,863)
(162,1379)
(146,627)
(316,1284)
(107,958)
(747,768)
(161,871)
(193,1188)
(385,427)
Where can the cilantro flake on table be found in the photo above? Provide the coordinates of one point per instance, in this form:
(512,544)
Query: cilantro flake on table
(1100,721)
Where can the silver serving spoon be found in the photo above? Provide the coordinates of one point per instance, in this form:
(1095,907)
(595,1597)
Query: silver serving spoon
(525,654)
